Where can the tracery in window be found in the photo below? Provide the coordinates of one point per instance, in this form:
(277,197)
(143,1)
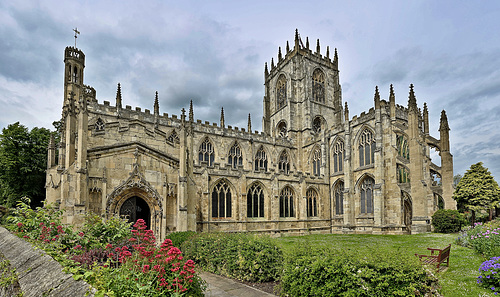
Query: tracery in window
(402,147)
(284,162)
(338,156)
(173,137)
(338,192)
(235,158)
(281,92)
(366,148)
(318,86)
(221,201)
(403,174)
(282,130)
(255,202)
(99,125)
(312,203)
(316,161)
(261,160)
(206,152)
(286,203)
(366,190)
(317,123)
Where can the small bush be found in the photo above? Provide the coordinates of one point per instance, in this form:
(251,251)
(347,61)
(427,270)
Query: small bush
(489,274)
(347,273)
(448,221)
(178,238)
(240,256)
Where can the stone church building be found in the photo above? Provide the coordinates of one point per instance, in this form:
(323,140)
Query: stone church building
(313,168)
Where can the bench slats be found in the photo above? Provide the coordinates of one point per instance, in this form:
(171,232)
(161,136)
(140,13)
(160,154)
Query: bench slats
(437,256)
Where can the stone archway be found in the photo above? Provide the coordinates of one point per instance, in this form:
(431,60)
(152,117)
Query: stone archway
(407,210)
(135,208)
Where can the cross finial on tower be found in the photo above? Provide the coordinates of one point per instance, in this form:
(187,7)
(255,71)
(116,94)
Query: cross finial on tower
(76,33)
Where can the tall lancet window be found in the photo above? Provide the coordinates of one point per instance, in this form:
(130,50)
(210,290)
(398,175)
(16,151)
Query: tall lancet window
(366,148)
(255,202)
(338,192)
(316,161)
(286,203)
(281,92)
(318,86)
(338,156)
(366,190)
(221,201)
(312,203)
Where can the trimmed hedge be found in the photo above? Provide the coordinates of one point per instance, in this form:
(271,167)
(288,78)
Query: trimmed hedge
(448,221)
(245,257)
(347,273)
(179,237)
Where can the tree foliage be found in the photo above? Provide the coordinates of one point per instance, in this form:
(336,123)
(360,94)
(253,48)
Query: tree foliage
(23,160)
(477,190)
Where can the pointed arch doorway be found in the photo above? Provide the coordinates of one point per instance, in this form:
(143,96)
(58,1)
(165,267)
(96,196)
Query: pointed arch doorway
(135,208)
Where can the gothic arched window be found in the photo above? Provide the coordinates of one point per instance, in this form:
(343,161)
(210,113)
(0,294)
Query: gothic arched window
(255,202)
(221,201)
(338,192)
(173,137)
(316,125)
(403,174)
(402,146)
(99,125)
(282,130)
(206,152)
(366,148)
(366,190)
(281,92)
(235,158)
(318,86)
(312,203)
(286,203)
(338,156)
(316,161)
(284,162)
(261,160)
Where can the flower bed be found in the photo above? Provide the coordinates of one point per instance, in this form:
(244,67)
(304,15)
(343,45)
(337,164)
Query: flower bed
(111,257)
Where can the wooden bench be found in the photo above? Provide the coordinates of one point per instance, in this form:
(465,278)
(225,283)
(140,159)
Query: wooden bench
(437,257)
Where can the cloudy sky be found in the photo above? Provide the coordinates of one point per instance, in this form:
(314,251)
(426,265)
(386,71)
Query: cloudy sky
(213,52)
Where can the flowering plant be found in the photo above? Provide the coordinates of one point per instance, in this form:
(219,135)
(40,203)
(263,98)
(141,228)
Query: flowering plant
(489,274)
(145,270)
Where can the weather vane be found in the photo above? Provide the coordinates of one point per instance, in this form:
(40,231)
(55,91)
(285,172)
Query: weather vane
(76,32)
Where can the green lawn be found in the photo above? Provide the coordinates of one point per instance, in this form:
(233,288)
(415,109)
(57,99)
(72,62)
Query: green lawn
(458,280)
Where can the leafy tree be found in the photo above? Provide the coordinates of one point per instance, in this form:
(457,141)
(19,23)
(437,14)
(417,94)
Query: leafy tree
(456,179)
(477,191)
(23,161)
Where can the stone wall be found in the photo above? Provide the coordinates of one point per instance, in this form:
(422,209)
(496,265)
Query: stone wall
(38,274)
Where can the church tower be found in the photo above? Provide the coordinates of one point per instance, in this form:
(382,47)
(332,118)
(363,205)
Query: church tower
(302,91)
(74,62)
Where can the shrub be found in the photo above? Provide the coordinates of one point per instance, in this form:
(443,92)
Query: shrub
(489,274)
(178,238)
(347,273)
(241,256)
(448,221)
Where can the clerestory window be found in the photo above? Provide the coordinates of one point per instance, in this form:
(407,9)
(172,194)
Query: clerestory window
(284,162)
(261,160)
(338,156)
(235,158)
(206,152)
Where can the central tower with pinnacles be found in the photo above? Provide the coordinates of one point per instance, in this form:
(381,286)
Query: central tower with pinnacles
(313,168)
